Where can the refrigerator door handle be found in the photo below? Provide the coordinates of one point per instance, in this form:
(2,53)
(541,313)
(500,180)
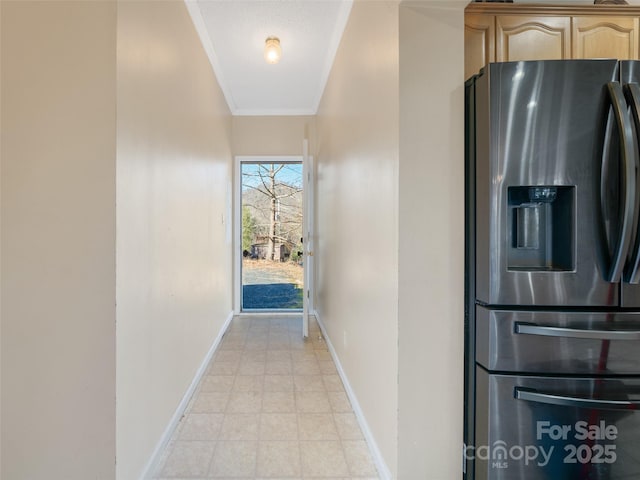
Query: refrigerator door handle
(533,329)
(628,174)
(531,395)
(632,270)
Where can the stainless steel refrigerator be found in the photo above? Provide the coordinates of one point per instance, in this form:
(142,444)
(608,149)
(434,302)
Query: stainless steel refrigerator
(552,380)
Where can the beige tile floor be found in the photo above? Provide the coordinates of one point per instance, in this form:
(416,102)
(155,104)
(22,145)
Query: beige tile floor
(271,405)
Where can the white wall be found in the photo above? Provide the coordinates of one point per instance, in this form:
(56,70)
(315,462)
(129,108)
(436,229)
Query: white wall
(431,246)
(58,239)
(173,220)
(271,135)
(357,214)
(390,181)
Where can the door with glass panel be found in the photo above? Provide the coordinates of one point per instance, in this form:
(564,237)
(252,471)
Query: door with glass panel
(272,229)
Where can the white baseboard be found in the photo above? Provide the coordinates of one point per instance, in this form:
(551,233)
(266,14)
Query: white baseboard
(383,469)
(173,423)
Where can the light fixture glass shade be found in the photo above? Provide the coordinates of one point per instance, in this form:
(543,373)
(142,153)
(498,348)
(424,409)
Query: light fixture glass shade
(272,50)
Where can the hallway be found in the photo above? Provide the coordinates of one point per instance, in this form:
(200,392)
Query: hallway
(118,153)
(270,405)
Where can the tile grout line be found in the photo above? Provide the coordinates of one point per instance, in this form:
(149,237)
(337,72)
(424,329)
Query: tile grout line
(199,389)
(260,416)
(295,407)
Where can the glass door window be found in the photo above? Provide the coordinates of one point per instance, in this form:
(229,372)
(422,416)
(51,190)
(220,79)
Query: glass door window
(272,230)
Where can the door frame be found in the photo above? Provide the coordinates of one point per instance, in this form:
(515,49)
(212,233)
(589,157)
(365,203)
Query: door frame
(237,229)
(308,258)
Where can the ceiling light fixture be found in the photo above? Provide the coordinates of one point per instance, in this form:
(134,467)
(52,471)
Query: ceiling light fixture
(272,50)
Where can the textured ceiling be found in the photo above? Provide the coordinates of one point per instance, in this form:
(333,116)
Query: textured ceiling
(233,33)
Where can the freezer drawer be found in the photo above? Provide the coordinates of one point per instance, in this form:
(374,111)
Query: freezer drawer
(546,428)
(558,342)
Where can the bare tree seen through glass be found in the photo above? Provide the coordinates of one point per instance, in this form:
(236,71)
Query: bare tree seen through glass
(273,197)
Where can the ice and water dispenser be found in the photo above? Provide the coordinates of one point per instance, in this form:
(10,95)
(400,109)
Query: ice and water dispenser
(541,228)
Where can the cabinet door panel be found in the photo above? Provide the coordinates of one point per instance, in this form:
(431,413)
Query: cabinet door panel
(532,38)
(479,42)
(605,37)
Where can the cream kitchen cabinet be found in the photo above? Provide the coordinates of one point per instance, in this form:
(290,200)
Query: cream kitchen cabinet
(521,37)
(479,42)
(605,37)
(505,32)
